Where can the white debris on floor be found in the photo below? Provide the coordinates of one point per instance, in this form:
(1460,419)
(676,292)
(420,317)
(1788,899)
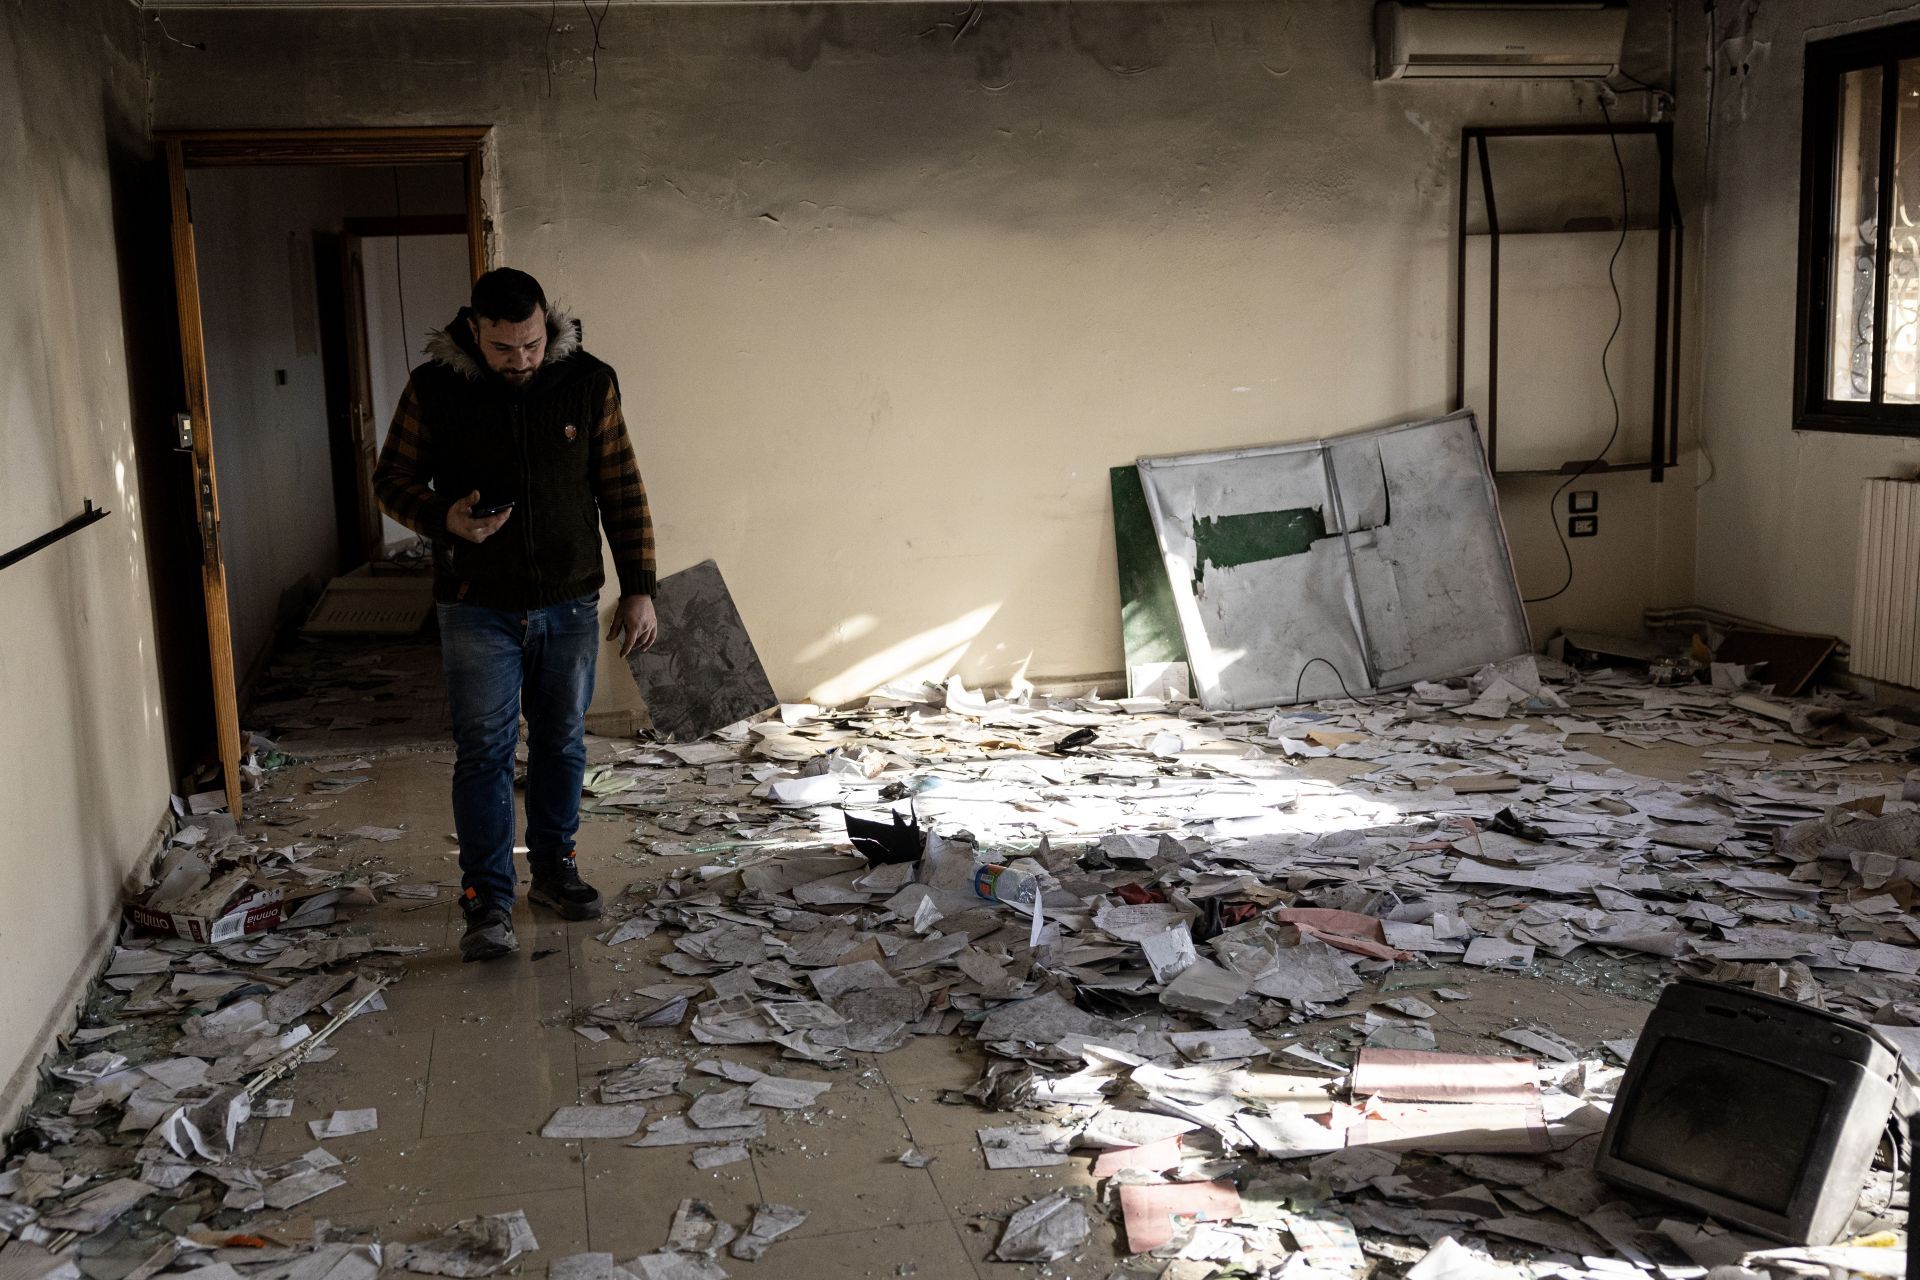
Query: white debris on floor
(234,970)
(1208,978)
(1186,1004)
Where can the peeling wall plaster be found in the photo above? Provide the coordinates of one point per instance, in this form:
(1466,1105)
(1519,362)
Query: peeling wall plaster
(890,287)
(1738,53)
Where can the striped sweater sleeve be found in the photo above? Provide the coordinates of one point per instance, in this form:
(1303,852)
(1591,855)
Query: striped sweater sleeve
(622,496)
(400,478)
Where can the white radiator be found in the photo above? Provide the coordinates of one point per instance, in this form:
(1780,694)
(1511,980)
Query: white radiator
(1886,590)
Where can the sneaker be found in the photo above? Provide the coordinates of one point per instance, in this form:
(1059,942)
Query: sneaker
(558,887)
(489,934)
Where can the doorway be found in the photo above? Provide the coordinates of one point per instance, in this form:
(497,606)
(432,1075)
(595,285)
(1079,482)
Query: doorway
(240,414)
(400,276)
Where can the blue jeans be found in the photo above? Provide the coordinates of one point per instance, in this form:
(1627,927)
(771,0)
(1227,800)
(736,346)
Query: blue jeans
(499,662)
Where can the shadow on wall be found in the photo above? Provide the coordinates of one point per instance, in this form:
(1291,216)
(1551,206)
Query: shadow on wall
(155,390)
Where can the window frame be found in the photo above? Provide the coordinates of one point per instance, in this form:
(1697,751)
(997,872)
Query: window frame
(1827,61)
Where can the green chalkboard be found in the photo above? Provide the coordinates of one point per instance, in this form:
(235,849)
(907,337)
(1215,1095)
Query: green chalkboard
(1149,624)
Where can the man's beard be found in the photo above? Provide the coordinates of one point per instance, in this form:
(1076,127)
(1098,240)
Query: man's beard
(516,379)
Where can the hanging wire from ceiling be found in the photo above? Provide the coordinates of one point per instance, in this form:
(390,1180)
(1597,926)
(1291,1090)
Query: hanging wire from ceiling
(597,46)
(553,17)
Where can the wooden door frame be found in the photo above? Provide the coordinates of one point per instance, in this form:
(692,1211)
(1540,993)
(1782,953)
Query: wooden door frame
(360,430)
(233,148)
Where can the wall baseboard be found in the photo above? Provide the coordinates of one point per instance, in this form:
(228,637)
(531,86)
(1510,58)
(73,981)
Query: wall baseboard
(24,1082)
(617,723)
(1881,691)
(1108,684)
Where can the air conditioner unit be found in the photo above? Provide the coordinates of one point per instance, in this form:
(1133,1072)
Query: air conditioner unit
(1437,41)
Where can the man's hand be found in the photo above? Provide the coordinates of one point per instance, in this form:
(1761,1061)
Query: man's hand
(462,523)
(634,624)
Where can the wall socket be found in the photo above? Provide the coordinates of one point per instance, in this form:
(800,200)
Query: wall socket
(1583,500)
(1583,526)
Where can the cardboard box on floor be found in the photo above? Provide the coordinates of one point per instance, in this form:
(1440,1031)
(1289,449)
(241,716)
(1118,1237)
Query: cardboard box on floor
(189,901)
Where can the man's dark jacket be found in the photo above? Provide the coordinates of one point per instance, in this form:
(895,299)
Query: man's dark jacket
(533,446)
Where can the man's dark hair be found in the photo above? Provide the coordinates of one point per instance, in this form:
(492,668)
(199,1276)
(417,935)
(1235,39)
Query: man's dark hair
(504,294)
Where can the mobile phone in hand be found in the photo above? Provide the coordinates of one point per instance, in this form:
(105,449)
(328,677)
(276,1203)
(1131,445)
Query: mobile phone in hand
(482,512)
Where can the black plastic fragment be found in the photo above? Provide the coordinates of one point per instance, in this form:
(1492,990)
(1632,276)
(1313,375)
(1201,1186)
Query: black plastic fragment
(902,840)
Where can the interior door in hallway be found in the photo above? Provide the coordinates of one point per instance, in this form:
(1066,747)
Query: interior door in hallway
(206,491)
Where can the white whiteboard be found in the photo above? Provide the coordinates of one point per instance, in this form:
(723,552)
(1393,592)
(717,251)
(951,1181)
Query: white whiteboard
(1411,579)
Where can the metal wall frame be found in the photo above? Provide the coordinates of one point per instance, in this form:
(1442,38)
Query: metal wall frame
(1665,419)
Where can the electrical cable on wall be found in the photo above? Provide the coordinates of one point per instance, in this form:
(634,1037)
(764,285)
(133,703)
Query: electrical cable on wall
(399,276)
(1662,99)
(198,46)
(1606,374)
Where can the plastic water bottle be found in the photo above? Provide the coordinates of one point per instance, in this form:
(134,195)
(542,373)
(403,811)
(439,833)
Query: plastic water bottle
(997,883)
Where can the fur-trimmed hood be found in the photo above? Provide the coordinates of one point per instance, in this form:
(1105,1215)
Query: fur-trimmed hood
(454,346)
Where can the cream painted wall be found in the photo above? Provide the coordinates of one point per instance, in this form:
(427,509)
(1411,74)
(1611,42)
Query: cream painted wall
(888,298)
(253,237)
(1642,557)
(1778,517)
(85,782)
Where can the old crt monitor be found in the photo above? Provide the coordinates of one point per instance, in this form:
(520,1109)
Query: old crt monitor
(1762,1112)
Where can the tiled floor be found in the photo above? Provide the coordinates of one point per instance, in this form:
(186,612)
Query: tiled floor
(468,1061)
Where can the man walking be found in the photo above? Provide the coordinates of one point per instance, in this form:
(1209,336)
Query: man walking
(506,444)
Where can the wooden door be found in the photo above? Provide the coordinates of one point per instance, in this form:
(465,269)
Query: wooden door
(362,419)
(206,491)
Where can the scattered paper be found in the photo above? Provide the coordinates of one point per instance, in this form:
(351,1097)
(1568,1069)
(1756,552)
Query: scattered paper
(1048,1229)
(785,1094)
(1025,1146)
(770,1222)
(1156,1213)
(594,1122)
(343,1124)
(717,1157)
(476,1247)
